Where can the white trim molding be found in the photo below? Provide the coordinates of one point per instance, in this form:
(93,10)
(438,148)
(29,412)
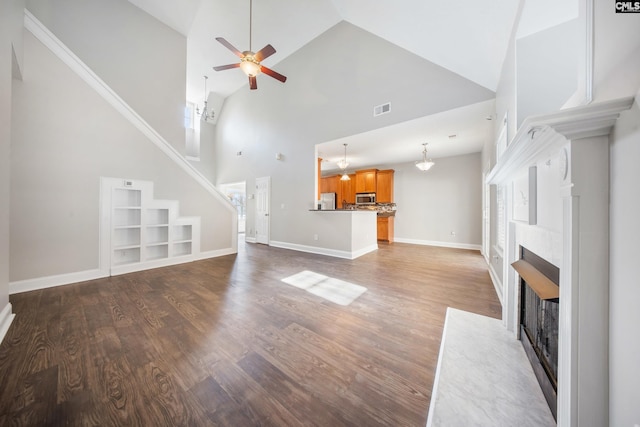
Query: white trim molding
(56,280)
(325,251)
(495,279)
(83,276)
(452,245)
(215,253)
(6,317)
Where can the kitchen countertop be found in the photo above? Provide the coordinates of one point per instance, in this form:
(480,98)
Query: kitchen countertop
(382,209)
(381,214)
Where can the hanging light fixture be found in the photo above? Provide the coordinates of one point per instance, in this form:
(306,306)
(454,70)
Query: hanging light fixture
(205,115)
(424,164)
(342,164)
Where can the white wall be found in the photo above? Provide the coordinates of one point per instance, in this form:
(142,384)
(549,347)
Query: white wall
(141,59)
(624,292)
(11,17)
(65,136)
(546,69)
(331,89)
(206,165)
(445,199)
(616,52)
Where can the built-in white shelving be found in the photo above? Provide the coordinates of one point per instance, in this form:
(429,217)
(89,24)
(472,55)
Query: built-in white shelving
(145,232)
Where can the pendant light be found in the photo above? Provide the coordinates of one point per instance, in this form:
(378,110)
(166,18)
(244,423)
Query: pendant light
(424,164)
(205,115)
(342,164)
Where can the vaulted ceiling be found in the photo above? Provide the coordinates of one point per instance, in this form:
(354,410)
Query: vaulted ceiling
(469,38)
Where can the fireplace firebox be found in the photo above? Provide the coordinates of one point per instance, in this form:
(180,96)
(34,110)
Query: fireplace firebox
(539,320)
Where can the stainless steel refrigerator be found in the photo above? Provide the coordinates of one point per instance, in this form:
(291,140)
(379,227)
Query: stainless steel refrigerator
(327,201)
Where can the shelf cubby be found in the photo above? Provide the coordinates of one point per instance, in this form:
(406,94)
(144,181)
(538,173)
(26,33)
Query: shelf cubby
(126,236)
(126,217)
(123,256)
(157,216)
(123,197)
(182,233)
(157,234)
(159,251)
(182,248)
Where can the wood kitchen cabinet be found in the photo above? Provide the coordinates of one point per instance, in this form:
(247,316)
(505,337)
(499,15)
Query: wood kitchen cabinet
(366,180)
(330,184)
(384,186)
(347,191)
(385,229)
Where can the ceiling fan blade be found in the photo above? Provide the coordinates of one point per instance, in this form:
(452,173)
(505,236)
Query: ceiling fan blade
(264,53)
(273,74)
(226,67)
(230,47)
(253,83)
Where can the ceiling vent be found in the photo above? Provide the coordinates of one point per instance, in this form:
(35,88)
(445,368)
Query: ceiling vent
(381,109)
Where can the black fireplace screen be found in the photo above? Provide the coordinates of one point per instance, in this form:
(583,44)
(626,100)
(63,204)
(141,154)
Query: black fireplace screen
(539,324)
(539,320)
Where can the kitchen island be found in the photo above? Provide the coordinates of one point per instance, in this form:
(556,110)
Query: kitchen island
(341,233)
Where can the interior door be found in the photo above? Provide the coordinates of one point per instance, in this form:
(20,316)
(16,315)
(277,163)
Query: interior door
(263,196)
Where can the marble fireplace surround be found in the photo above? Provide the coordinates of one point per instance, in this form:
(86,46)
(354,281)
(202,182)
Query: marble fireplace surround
(578,139)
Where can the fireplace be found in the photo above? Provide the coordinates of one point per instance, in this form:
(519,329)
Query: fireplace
(570,149)
(539,320)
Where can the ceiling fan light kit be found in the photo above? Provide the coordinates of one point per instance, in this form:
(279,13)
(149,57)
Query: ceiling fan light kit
(250,61)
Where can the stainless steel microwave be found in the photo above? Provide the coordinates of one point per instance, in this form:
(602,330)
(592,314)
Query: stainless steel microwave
(366,199)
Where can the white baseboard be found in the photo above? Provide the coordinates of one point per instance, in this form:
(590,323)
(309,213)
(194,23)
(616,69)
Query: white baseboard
(51,281)
(324,251)
(215,253)
(364,251)
(82,276)
(439,244)
(250,239)
(6,317)
(141,266)
(148,265)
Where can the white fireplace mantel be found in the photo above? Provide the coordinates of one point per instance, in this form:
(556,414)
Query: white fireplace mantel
(538,136)
(579,137)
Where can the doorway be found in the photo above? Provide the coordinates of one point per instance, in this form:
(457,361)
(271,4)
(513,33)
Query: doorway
(237,194)
(263,203)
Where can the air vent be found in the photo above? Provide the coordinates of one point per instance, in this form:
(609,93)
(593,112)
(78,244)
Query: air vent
(381,109)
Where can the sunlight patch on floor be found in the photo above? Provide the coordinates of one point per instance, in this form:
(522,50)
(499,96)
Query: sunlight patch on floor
(334,290)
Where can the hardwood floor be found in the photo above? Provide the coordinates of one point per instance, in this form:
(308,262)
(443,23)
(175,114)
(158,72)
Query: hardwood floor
(225,342)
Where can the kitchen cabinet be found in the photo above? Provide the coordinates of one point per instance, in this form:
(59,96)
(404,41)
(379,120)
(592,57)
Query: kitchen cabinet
(384,186)
(366,181)
(330,184)
(385,229)
(347,191)
(319,172)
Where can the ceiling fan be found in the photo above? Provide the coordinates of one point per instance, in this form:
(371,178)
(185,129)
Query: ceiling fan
(250,61)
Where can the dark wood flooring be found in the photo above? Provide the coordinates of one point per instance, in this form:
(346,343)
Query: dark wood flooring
(225,342)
